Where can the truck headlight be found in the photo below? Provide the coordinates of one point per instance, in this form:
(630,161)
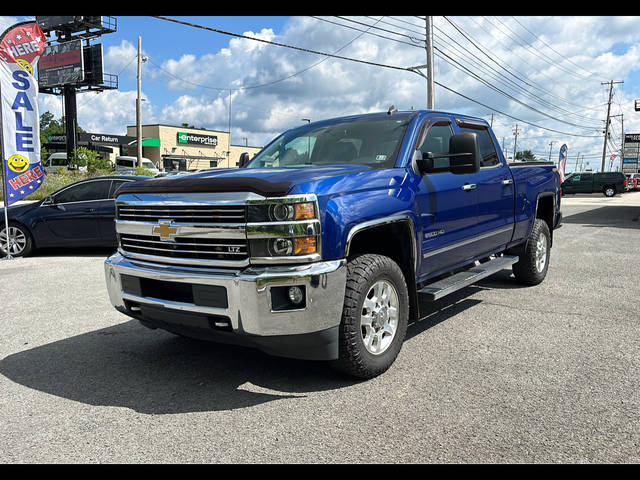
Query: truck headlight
(280,247)
(281,212)
(284,230)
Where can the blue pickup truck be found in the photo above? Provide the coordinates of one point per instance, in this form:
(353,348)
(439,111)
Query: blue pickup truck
(321,245)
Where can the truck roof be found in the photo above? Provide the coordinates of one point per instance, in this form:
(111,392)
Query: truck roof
(403,113)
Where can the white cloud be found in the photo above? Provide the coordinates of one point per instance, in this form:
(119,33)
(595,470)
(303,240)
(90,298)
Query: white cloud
(553,64)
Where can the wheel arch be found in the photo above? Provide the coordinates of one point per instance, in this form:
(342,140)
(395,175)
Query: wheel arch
(393,237)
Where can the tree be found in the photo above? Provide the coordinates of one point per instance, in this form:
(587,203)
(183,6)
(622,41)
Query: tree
(50,126)
(525,156)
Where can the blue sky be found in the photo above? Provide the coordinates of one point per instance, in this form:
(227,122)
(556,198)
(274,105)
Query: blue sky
(551,68)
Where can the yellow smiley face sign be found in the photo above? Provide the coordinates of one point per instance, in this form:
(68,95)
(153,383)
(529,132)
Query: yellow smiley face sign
(25,65)
(18,163)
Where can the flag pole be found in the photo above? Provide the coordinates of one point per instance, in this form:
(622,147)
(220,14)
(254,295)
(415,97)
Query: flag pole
(5,196)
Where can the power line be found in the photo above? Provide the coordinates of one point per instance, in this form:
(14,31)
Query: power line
(499,64)
(248,87)
(551,48)
(542,72)
(540,54)
(393,67)
(475,76)
(482,66)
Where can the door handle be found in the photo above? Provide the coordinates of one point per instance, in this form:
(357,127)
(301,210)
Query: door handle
(507,181)
(467,187)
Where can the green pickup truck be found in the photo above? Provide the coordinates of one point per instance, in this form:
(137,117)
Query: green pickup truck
(609,183)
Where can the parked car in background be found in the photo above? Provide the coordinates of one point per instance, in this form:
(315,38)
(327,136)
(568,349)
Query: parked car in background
(636,181)
(59,160)
(78,215)
(127,165)
(630,182)
(607,183)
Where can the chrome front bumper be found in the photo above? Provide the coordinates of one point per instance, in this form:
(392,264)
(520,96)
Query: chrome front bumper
(249,307)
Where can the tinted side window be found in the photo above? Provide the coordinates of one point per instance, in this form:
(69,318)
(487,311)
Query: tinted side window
(437,141)
(84,192)
(487,148)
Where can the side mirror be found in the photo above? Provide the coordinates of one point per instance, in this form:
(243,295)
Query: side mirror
(464,157)
(244,159)
(48,200)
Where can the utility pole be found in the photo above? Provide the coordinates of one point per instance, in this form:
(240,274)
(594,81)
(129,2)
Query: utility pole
(229,149)
(550,147)
(575,168)
(491,120)
(606,127)
(515,143)
(622,142)
(138,105)
(622,148)
(429,48)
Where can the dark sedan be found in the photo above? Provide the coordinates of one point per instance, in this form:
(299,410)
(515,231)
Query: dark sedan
(78,215)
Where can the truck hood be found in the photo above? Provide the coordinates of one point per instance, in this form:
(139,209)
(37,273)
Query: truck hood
(268,182)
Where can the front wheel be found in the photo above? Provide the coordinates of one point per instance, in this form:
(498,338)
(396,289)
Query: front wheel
(20,243)
(374,317)
(533,264)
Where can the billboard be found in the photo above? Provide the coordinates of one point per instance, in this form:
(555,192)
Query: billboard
(53,22)
(93,68)
(61,64)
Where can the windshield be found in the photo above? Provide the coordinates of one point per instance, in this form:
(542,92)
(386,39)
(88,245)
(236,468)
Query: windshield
(370,141)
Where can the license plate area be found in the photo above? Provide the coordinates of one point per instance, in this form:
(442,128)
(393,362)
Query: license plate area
(197,294)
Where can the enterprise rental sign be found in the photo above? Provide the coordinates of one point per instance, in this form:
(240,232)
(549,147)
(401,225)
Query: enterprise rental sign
(192,138)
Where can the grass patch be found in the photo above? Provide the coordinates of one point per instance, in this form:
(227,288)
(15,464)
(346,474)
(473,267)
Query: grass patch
(55,181)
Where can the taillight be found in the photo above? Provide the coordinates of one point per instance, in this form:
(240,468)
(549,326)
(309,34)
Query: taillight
(624,184)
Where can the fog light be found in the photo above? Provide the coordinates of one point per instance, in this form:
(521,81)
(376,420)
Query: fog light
(281,246)
(295,295)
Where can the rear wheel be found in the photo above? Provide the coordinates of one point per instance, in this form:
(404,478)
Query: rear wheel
(533,264)
(375,316)
(20,243)
(609,191)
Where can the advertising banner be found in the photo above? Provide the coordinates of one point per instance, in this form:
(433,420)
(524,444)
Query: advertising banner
(20,48)
(562,162)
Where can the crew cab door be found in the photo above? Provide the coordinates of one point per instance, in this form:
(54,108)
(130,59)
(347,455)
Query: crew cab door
(446,205)
(495,192)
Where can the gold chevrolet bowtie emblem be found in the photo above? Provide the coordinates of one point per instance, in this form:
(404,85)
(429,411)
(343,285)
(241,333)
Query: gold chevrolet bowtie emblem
(165,230)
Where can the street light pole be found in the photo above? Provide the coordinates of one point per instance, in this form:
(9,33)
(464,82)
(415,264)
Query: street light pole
(138,105)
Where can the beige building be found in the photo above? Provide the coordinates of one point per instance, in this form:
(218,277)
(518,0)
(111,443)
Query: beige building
(182,148)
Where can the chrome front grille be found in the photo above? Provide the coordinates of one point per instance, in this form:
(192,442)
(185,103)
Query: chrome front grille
(191,229)
(183,213)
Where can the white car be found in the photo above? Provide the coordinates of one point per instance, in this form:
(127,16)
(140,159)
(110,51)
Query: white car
(126,164)
(57,160)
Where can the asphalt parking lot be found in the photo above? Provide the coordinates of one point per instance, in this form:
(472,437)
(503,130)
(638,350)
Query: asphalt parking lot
(494,373)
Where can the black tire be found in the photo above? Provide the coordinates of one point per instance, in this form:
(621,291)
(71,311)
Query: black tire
(23,247)
(364,272)
(609,190)
(528,268)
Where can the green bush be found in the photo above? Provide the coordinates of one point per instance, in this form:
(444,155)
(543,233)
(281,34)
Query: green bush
(54,182)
